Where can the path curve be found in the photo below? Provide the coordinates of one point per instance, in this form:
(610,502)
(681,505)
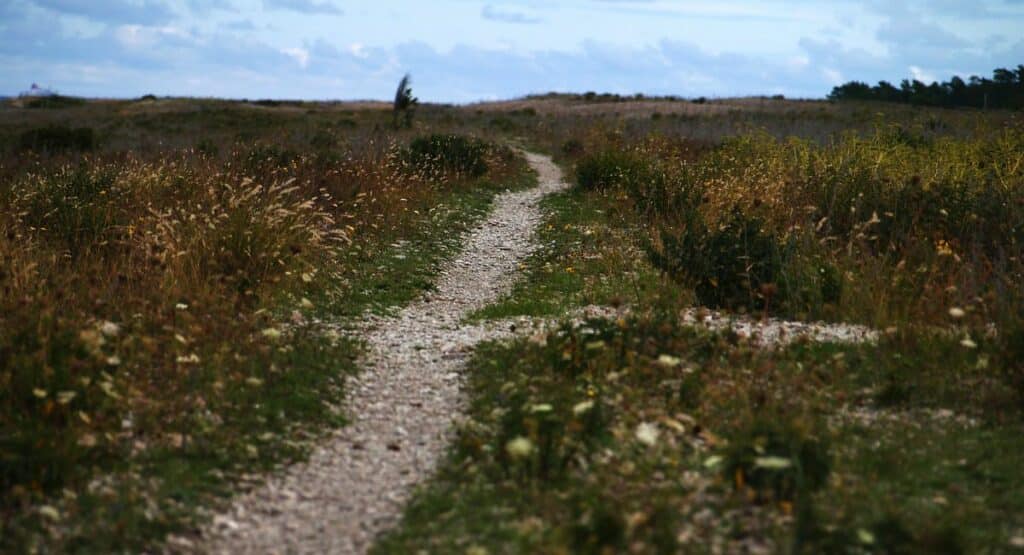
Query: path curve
(402,405)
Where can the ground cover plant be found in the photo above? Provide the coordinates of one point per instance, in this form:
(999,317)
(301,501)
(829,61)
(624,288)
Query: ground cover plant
(158,342)
(647,435)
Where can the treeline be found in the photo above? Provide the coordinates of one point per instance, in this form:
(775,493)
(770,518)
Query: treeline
(1004,90)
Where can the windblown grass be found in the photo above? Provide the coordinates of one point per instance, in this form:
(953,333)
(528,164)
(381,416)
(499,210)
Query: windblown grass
(154,311)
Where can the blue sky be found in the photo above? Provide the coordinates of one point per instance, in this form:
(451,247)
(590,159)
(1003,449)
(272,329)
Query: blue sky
(467,50)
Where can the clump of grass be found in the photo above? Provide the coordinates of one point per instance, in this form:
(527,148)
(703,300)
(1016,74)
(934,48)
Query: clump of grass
(58,138)
(448,154)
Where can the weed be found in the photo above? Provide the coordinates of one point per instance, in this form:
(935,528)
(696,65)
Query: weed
(58,138)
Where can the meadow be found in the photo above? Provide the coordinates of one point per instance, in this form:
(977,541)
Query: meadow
(166,264)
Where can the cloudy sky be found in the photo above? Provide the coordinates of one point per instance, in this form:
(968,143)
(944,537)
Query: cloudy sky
(466,50)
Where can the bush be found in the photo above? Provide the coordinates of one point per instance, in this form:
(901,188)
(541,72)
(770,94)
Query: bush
(57,138)
(608,169)
(54,101)
(734,265)
(448,154)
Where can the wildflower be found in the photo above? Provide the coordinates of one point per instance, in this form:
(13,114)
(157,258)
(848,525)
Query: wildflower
(109,329)
(181,306)
(65,397)
(49,512)
(254,382)
(957,312)
(968,342)
(669,360)
(272,333)
(519,447)
(306,303)
(93,339)
(647,434)
(540,408)
(307,277)
(188,359)
(583,407)
(113,360)
(40,393)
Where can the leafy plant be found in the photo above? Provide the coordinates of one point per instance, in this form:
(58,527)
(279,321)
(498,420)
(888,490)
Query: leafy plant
(441,154)
(58,138)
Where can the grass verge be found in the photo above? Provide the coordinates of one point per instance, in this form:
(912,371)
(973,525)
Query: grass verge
(587,256)
(648,436)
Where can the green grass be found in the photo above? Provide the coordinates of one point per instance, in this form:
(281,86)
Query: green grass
(394,271)
(902,480)
(587,256)
(134,502)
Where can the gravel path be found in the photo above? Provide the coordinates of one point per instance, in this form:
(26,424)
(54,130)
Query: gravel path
(403,405)
(356,483)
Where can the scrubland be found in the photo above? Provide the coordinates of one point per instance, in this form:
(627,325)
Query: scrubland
(165,262)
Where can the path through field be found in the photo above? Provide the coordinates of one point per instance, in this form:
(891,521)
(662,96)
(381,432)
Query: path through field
(402,405)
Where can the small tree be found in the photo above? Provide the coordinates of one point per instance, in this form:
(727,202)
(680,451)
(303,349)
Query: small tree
(405,102)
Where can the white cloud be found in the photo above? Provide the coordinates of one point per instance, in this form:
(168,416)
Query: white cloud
(300,55)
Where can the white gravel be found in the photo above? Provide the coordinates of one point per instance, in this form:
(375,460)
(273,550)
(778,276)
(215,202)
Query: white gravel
(402,406)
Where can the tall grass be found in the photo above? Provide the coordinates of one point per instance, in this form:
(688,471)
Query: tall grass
(142,299)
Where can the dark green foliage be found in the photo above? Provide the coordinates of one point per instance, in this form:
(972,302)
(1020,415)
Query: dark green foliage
(54,101)
(735,265)
(58,138)
(609,168)
(207,147)
(1004,90)
(263,159)
(440,154)
(404,104)
(778,460)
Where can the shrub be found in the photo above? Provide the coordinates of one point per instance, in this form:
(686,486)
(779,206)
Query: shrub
(607,169)
(734,265)
(439,154)
(58,138)
(54,102)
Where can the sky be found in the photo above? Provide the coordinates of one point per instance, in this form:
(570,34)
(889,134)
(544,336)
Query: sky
(468,50)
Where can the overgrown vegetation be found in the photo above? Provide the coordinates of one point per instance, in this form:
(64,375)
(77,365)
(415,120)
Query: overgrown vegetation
(155,309)
(648,435)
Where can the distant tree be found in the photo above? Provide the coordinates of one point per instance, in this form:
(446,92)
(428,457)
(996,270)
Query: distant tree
(1005,90)
(405,103)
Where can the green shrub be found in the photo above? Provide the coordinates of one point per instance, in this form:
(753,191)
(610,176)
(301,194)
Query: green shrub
(58,138)
(54,101)
(735,265)
(609,168)
(438,154)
